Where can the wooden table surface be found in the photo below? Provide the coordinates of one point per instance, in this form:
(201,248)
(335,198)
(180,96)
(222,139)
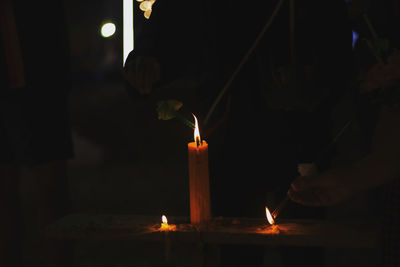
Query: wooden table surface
(219,231)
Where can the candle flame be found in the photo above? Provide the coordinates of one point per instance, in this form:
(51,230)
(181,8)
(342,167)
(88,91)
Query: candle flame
(165,227)
(164,219)
(269,216)
(197,138)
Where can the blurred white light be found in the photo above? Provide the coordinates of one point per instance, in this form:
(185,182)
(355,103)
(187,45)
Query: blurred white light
(128,28)
(108,29)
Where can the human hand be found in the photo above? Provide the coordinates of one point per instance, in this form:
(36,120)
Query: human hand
(142,72)
(325,189)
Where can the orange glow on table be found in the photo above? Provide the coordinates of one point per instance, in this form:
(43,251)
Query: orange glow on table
(271,229)
(165,226)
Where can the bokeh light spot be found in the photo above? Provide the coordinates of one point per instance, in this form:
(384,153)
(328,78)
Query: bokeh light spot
(108,29)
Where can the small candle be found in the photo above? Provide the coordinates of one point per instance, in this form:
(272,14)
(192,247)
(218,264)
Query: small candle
(270,219)
(164,222)
(199,181)
(165,226)
(272,228)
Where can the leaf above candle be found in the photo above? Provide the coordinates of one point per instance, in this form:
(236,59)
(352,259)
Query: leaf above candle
(167,109)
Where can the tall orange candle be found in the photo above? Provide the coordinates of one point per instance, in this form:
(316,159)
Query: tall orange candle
(199,181)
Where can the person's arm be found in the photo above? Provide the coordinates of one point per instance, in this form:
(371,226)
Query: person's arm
(381,166)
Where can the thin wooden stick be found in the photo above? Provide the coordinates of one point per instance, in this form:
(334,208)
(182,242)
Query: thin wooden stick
(372,48)
(370,27)
(374,36)
(243,61)
(286,200)
(281,205)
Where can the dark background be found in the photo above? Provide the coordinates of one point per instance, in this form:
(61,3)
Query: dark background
(126,160)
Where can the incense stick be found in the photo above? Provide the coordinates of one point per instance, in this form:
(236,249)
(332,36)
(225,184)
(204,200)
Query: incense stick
(280,207)
(243,61)
(285,201)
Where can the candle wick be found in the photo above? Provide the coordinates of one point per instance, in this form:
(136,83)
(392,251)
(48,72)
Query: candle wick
(197,141)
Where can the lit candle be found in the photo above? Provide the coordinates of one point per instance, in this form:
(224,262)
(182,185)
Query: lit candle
(164,222)
(165,226)
(199,181)
(270,219)
(272,228)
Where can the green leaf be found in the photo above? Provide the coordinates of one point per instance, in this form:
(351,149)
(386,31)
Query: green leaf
(167,109)
(382,45)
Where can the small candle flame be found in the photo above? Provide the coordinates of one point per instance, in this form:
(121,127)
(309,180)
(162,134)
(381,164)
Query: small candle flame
(269,216)
(165,227)
(164,219)
(197,138)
